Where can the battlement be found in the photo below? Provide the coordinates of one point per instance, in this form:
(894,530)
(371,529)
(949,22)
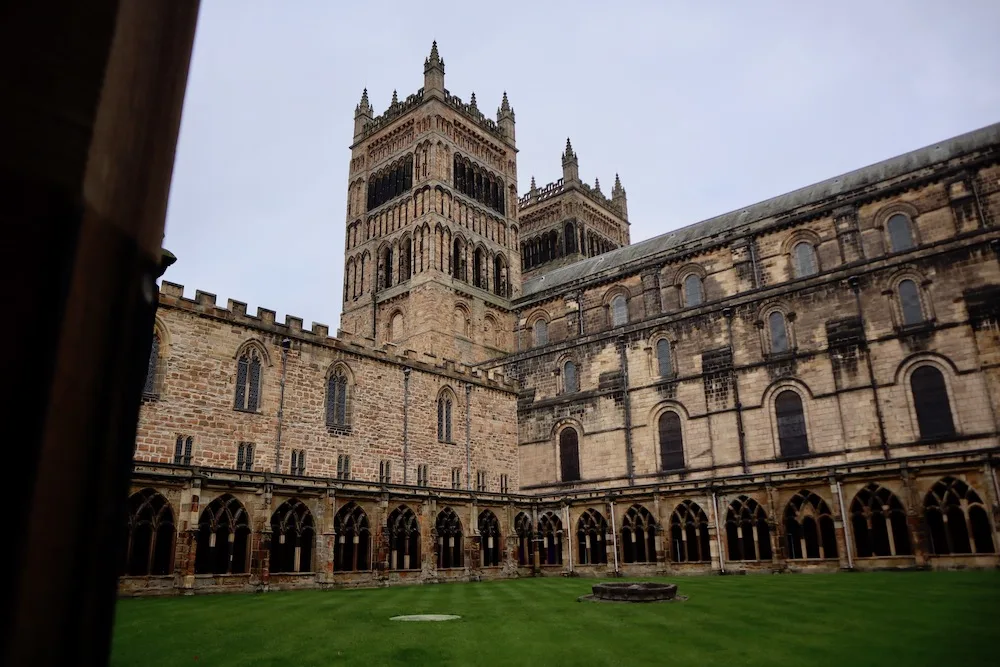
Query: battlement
(554,188)
(395,110)
(204,303)
(472,112)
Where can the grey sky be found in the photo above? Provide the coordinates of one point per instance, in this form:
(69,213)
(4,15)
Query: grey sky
(702,107)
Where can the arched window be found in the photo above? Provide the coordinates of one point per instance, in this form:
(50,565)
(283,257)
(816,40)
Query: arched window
(930,401)
(909,303)
(571,383)
(458,259)
(570,236)
(805,259)
(292,538)
(748,536)
(591,538)
(671,441)
(619,311)
(525,540)
(489,537)
(878,523)
(957,519)
(500,276)
(809,527)
(663,360)
(689,539)
(396,326)
(223,538)
(404,539)
(779,332)
(336,399)
(352,543)
(405,259)
(792,437)
(900,233)
(479,269)
(150,545)
(569,455)
(385,274)
(541,331)
(638,536)
(550,536)
(449,539)
(693,292)
(152,387)
(445,403)
(248,380)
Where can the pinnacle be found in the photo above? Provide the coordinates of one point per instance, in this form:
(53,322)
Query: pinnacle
(395,99)
(618,182)
(472,101)
(364,98)
(597,184)
(569,150)
(505,105)
(533,183)
(434,58)
(434,51)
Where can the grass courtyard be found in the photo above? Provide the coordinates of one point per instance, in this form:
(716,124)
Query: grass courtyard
(885,619)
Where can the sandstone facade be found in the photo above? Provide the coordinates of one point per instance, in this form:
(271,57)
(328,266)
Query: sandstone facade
(809,383)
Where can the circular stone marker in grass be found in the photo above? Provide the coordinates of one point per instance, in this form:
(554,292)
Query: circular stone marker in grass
(426,617)
(637,592)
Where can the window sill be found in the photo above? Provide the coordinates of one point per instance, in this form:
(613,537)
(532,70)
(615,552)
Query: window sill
(338,430)
(916,328)
(246,411)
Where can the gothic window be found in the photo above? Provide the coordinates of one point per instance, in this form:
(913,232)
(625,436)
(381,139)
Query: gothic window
(809,530)
(298,462)
(449,539)
(445,403)
(423,475)
(694,292)
(404,539)
(671,441)
(591,538)
(778,330)
(930,401)
(689,539)
(900,233)
(663,361)
(909,302)
(957,519)
(149,548)
(352,540)
(638,536)
(244,456)
(525,540)
(878,523)
(248,369)
(503,483)
(182,450)
(336,399)
(456,478)
(458,260)
(390,183)
(385,269)
(550,537)
(405,259)
(489,537)
(805,259)
(223,538)
(343,466)
(481,481)
(541,331)
(569,455)
(500,276)
(571,383)
(619,311)
(792,437)
(151,389)
(292,538)
(748,536)
(570,236)
(385,472)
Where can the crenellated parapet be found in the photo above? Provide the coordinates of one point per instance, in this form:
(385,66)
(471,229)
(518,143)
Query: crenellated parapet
(395,110)
(265,321)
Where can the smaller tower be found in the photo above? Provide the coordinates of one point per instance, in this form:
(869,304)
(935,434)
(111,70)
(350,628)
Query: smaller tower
(505,118)
(570,165)
(618,198)
(362,115)
(434,74)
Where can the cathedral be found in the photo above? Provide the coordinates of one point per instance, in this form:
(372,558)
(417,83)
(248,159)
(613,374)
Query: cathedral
(808,383)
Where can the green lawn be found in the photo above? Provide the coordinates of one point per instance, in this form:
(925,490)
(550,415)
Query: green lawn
(888,619)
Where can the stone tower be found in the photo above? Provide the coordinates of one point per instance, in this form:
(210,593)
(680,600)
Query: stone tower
(568,220)
(431,254)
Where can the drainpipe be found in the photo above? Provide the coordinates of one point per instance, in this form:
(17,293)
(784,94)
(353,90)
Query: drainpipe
(854,284)
(626,403)
(614,535)
(374,311)
(468,438)
(569,531)
(847,527)
(718,534)
(406,414)
(728,314)
(285,344)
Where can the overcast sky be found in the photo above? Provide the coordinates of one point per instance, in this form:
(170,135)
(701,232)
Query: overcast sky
(702,107)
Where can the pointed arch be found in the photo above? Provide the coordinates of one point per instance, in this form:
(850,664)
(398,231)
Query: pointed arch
(957,519)
(251,358)
(591,535)
(809,527)
(404,539)
(339,391)
(878,523)
(550,535)
(352,539)
(748,534)
(448,528)
(525,540)
(689,538)
(638,540)
(447,404)
(490,539)
(149,548)
(293,537)
(223,538)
